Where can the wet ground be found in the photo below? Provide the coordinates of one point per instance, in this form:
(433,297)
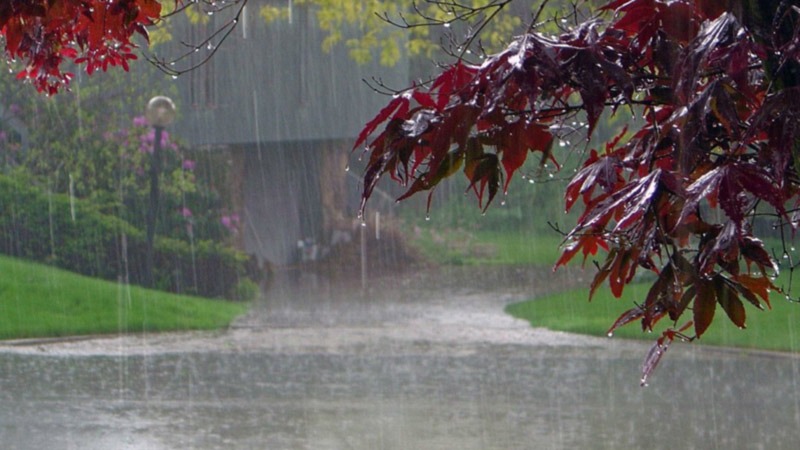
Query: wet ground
(417,362)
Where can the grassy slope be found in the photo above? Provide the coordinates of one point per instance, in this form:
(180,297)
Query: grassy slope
(488,247)
(776,329)
(38,301)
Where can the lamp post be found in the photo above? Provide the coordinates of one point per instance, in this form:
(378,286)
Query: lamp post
(159,113)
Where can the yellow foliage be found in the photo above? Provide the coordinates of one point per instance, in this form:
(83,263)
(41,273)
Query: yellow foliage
(390,52)
(196,16)
(159,34)
(330,40)
(271,13)
(362,26)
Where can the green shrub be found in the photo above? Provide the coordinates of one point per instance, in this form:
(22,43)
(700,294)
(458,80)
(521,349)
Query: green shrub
(246,290)
(75,235)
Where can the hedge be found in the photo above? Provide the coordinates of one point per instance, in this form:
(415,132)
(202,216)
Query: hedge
(75,235)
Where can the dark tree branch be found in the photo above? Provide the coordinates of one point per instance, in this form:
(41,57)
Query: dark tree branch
(210,44)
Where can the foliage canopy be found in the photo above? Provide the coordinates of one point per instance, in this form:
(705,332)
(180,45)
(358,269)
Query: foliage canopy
(45,34)
(713,87)
(48,37)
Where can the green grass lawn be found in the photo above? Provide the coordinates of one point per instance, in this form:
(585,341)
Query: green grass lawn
(775,329)
(459,247)
(42,301)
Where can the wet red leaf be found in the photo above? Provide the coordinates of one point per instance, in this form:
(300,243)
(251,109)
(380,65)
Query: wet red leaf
(46,35)
(653,357)
(626,318)
(705,303)
(729,300)
(397,108)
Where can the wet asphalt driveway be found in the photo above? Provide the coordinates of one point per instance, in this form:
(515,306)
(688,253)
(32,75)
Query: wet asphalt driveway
(418,363)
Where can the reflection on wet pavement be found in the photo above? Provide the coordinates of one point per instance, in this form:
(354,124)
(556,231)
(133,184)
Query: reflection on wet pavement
(318,368)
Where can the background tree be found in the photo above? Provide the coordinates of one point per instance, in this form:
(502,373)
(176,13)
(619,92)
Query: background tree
(93,144)
(711,86)
(48,39)
(390,29)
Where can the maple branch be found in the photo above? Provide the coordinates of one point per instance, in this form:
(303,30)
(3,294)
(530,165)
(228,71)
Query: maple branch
(482,25)
(213,6)
(535,22)
(221,34)
(554,226)
(459,12)
(378,86)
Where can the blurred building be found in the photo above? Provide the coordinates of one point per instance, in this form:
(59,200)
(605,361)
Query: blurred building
(288,113)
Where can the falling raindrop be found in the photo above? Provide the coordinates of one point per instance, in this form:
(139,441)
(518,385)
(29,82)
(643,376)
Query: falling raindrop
(338,347)
(72,197)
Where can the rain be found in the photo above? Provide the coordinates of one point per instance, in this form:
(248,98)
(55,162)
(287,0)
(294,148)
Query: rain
(387,330)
